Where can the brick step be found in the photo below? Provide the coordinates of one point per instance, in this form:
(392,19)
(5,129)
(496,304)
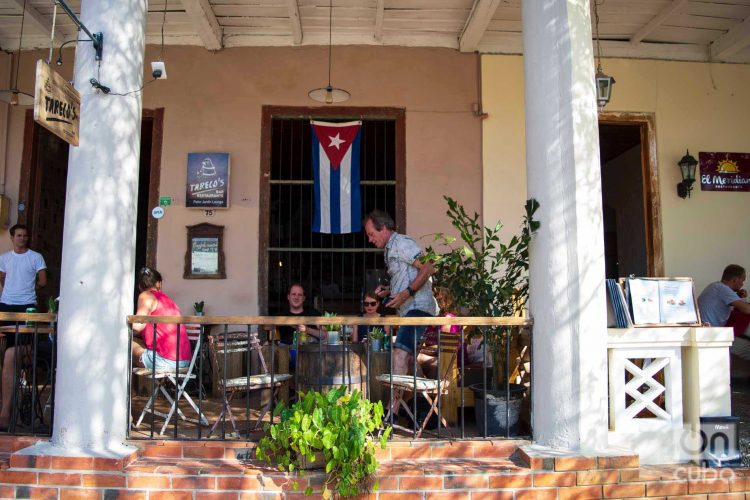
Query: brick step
(219,450)
(447,478)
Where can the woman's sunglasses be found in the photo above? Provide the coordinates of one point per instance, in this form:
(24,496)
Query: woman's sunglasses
(368,303)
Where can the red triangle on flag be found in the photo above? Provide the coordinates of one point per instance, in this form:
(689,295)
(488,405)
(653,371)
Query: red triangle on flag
(336,139)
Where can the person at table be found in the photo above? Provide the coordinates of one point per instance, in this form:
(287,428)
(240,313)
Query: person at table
(152,301)
(371,304)
(22,271)
(296,299)
(719,298)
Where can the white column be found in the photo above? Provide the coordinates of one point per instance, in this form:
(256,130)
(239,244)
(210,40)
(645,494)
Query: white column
(567,296)
(96,291)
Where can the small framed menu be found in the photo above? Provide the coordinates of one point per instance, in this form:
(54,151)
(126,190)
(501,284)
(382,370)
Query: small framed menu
(663,302)
(204,258)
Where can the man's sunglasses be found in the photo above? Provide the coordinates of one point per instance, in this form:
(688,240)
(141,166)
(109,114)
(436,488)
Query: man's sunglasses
(367,303)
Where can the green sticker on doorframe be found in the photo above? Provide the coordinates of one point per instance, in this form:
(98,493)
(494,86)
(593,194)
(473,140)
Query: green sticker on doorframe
(165,201)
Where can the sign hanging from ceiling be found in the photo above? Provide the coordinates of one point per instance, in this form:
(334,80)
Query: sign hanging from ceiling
(57,105)
(724,171)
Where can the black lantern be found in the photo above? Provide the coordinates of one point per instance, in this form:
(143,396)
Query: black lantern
(687,170)
(603,87)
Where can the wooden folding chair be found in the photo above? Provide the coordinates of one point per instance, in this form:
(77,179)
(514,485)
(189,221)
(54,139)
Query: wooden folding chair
(222,345)
(179,379)
(433,390)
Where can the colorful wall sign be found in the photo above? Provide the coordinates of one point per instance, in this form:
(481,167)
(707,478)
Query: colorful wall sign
(724,171)
(207,180)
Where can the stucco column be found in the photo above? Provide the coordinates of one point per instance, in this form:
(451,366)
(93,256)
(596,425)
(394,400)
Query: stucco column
(567,295)
(96,289)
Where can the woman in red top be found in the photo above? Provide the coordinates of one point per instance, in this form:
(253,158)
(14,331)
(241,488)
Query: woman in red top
(153,302)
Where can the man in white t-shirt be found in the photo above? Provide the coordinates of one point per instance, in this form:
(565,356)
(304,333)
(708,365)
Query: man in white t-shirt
(22,270)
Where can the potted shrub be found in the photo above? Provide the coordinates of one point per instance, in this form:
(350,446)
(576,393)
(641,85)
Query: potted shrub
(487,277)
(198,307)
(332,330)
(334,430)
(376,337)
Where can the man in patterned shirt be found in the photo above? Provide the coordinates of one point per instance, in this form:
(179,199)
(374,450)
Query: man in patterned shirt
(410,289)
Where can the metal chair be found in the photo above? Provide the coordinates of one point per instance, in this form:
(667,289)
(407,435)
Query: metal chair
(177,378)
(219,347)
(432,390)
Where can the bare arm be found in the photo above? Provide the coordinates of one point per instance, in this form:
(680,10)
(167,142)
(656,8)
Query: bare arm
(41,278)
(741,305)
(424,271)
(146,305)
(2,279)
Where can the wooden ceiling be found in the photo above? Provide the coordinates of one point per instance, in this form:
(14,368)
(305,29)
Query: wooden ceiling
(690,30)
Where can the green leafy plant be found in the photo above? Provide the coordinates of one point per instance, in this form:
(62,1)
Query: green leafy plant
(331,328)
(483,275)
(376,333)
(52,304)
(337,428)
(198,306)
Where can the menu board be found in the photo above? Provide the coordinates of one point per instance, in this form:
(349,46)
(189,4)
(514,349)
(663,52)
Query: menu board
(662,301)
(205,255)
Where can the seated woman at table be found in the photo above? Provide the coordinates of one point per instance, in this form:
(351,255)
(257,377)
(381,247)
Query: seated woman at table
(153,302)
(371,304)
(427,357)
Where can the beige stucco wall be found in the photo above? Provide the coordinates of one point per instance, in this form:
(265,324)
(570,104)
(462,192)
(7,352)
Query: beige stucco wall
(703,107)
(213,102)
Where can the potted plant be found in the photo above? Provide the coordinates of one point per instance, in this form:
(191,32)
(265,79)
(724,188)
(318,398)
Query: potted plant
(198,307)
(487,277)
(332,330)
(376,337)
(335,430)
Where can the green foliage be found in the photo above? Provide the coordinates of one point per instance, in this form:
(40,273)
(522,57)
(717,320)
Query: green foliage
(198,306)
(377,333)
(331,328)
(52,304)
(338,428)
(485,276)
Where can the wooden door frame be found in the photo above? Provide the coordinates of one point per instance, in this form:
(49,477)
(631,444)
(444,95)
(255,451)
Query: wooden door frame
(29,158)
(363,113)
(650,174)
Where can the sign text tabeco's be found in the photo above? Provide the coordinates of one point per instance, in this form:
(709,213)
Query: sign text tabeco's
(57,105)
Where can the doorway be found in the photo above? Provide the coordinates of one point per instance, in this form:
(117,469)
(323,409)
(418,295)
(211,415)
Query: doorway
(335,269)
(630,197)
(42,188)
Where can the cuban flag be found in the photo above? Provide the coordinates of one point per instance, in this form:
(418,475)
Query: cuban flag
(335,156)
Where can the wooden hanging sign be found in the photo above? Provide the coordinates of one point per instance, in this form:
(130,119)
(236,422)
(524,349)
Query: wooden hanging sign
(57,104)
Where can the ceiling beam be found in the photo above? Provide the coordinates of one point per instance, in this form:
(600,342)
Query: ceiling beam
(476,24)
(295,20)
(657,20)
(379,14)
(732,41)
(39,21)
(205,22)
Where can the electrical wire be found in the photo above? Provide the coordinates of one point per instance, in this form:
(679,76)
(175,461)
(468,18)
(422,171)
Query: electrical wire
(163,22)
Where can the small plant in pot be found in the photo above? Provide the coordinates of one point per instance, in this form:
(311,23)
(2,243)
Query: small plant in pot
(198,307)
(487,277)
(333,430)
(376,337)
(333,331)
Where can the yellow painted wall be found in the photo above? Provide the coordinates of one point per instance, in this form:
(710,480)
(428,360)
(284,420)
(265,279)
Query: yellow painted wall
(703,107)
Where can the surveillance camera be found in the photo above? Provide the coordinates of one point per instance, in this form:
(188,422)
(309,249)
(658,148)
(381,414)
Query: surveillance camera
(159,70)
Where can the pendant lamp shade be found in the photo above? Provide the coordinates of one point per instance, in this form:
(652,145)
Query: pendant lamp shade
(329,94)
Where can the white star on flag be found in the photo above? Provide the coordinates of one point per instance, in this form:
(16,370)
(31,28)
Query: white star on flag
(336,141)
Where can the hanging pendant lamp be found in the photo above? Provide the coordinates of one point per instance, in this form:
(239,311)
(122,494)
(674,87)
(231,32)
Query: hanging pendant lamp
(604,82)
(13,95)
(329,94)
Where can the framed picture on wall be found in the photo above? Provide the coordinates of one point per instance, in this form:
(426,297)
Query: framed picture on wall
(204,258)
(207,181)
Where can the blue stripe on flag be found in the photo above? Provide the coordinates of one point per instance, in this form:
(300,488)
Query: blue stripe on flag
(335,200)
(356,203)
(316,183)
